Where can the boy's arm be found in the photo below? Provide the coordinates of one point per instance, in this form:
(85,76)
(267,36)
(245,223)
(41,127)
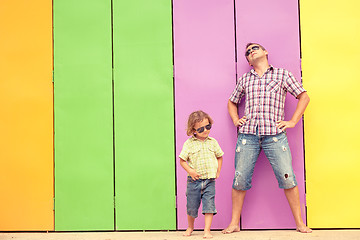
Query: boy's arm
(299,111)
(220,161)
(193,174)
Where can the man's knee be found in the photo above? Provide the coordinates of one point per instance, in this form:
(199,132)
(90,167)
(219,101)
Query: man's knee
(287,180)
(240,183)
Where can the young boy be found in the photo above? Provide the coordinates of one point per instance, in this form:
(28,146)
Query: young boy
(201,157)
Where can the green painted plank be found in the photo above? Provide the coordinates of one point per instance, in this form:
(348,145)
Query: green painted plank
(84,187)
(144,115)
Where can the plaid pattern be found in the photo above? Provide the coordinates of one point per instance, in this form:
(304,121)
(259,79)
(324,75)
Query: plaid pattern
(265,98)
(202,156)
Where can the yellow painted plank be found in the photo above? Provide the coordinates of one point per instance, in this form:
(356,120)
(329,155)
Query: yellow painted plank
(330,40)
(26,120)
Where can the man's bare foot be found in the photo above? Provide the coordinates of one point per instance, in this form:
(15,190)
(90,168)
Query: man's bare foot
(207,234)
(188,232)
(303,229)
(231,229)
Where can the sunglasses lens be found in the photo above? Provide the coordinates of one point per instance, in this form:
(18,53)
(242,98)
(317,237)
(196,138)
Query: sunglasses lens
(247,53)
(200,130)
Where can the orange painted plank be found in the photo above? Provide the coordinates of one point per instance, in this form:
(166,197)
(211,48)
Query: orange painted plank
(26,115)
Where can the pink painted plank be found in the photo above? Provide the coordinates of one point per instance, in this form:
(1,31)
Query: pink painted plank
(275,25)
(204,56)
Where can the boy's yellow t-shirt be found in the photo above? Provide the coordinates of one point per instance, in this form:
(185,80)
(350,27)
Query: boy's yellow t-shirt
(202,156)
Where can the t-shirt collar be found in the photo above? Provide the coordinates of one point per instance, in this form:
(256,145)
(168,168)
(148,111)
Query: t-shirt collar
(196,139)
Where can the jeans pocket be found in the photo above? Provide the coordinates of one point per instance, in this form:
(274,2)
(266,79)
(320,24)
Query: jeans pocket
(190,180)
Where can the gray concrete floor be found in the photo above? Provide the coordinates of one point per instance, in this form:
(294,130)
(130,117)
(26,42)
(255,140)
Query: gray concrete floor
(177,235)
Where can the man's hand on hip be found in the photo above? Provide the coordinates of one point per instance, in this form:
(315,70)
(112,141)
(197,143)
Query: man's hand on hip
(283,125)
(240,121)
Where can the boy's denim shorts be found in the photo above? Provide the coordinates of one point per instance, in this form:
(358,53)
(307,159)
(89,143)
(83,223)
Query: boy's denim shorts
(201,190)
(277,151)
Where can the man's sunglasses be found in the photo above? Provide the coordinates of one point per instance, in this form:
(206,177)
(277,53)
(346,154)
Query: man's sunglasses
(200,130)
(247,53)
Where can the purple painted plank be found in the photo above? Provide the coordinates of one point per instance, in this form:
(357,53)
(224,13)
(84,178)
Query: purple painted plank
(274,24)
(204,56)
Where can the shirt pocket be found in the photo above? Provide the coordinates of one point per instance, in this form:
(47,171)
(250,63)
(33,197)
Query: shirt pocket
(273,86)
(212,151)
(194,153)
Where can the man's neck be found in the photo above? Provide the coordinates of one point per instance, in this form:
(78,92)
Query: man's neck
(261,67)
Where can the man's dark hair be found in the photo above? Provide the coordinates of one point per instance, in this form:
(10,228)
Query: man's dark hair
(249,44)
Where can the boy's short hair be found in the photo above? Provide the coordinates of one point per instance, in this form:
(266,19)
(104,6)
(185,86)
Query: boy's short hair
(251,43)
(194,118)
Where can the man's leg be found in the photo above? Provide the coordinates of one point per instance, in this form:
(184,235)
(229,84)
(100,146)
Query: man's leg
(292,196)
(278,152)
(246,153)
(238,197)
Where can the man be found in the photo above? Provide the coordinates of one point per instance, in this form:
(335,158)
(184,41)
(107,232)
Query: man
(263,127)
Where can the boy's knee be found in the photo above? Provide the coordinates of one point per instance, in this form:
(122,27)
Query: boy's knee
(192,213)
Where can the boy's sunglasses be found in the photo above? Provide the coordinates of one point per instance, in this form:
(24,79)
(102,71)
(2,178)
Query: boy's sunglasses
(200,130)
(247,53)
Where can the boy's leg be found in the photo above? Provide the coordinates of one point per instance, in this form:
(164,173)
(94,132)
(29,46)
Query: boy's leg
(208,202)
(190,228)
(193,198)
(208,221)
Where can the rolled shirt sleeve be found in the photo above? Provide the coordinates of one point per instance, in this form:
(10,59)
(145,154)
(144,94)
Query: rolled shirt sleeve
(293,86)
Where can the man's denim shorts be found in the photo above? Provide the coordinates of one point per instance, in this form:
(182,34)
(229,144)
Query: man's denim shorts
(277,151)
(201,190)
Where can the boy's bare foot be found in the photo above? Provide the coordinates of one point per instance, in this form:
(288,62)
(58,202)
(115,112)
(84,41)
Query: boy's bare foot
(188,232)
(303,229)
(207,234)
(231,229)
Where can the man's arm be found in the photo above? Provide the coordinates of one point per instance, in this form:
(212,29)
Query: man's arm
(233,112)
(304,100)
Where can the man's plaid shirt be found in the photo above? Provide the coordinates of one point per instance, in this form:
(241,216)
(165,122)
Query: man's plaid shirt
(265,98)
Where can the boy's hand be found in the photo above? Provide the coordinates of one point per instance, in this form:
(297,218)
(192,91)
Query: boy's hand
(217,175)
(194,175)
